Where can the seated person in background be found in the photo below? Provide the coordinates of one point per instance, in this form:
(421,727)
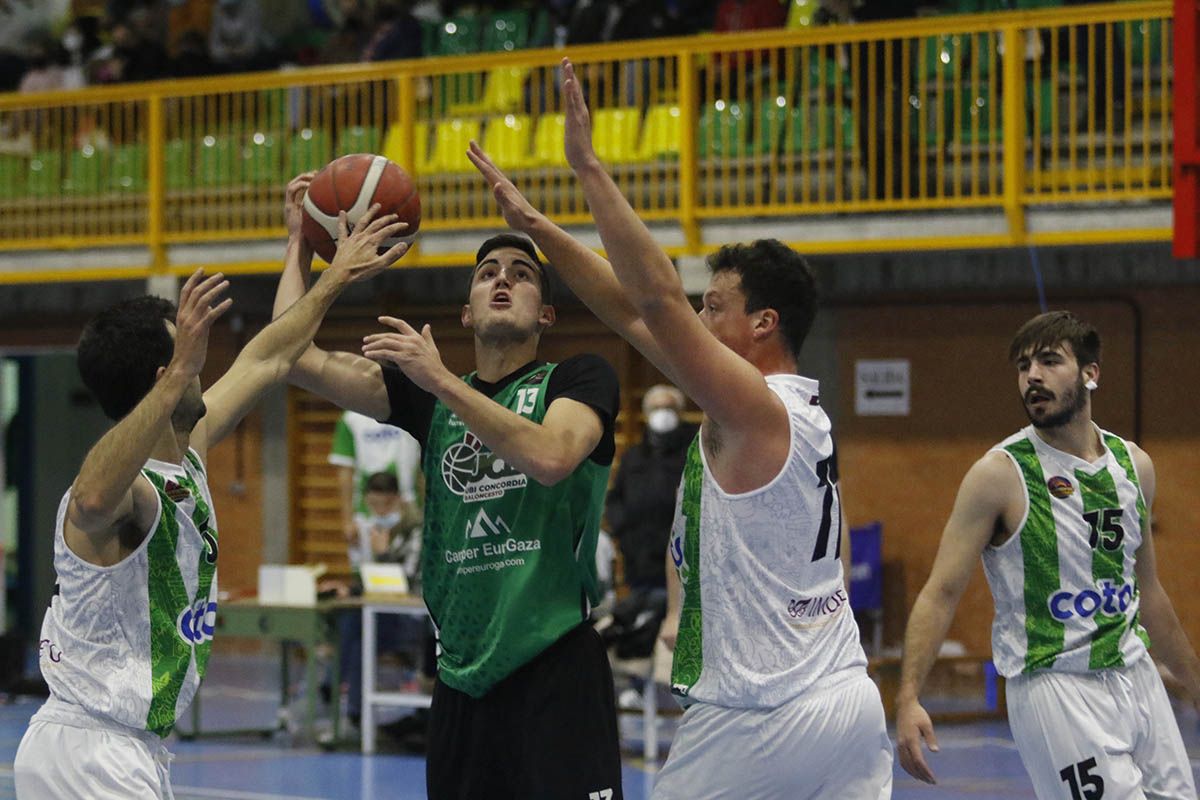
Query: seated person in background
(387,535)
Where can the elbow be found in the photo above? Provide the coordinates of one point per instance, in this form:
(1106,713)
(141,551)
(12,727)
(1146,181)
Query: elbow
(549,471)
(88,510)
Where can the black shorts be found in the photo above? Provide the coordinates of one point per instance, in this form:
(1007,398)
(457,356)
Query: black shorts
(546,732)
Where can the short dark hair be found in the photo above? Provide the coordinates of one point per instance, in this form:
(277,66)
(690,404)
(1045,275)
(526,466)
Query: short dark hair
(121,349)
(1052,329)
(382,482)
(773,276)
(523,244)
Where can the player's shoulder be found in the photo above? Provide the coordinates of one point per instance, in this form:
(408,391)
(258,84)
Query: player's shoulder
(585,363)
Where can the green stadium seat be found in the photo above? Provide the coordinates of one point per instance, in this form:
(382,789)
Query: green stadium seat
(218,160)
(85,170)
(505,31)
(615,134)
(723,130)
(12,176)
(178,155)
(507,140)
(262,159)
(358,139)
(127,168)
(272,110)
(1145,38)
(660,133)
(977,122)
(769,125)
(45,173)
(309,149)
(458,36)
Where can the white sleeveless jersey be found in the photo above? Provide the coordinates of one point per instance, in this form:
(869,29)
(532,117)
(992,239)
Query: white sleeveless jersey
(765,613)
(1064,584)
(130,642)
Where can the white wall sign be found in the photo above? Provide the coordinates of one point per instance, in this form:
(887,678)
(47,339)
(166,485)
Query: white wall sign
(881,388)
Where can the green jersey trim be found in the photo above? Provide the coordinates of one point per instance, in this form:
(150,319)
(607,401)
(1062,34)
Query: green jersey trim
(1121,452)
(1100,503)
(689,644)
(1045,636)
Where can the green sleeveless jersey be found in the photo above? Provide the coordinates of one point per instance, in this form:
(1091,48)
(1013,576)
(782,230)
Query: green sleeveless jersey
(509,565)
(1064,583)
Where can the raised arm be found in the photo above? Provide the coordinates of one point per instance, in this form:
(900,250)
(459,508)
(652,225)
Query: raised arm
(269,356)
(547,452)
(988,486)
(106,493)
(585,272)
(346,379)
(740,402)
(1168,640)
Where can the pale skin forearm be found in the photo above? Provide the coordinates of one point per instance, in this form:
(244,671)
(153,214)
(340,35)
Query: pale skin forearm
(291,333)
(293,283)
(115,461)
(529,447)
(928,624)
(1169,642)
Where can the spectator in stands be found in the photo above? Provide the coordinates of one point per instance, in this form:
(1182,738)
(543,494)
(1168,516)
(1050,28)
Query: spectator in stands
(397,33)
(237,40)
(46,67)
(191,57)
(639,509)
(349,39)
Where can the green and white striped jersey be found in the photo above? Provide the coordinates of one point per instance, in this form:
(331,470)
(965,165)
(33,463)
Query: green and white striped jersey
(129,643)
(1065,590)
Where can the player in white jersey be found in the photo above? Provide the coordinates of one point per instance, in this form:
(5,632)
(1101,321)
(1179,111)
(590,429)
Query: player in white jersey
(767,655)
(126,639)
(1060,513)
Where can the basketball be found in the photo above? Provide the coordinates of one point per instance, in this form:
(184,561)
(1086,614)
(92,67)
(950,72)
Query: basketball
(353,184)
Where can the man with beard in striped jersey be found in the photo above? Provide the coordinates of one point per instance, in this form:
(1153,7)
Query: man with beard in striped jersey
(127,636)
(1060,513)
(767,654)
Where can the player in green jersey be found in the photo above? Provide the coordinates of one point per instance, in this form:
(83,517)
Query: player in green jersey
(1060,513)
(516,458)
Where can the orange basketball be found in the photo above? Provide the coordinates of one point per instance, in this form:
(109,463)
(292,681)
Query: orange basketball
(353,184)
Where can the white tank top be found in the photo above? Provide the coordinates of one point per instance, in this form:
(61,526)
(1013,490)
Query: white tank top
(765,614)
(129,643)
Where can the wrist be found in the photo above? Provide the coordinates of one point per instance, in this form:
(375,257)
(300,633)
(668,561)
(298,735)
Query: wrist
(588,166)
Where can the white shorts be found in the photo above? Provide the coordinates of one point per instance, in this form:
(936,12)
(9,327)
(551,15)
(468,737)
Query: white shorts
(67,754)
(1076,731)
(830,743)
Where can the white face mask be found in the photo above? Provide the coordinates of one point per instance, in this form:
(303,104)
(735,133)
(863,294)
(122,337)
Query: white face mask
(387,521)
(662,420)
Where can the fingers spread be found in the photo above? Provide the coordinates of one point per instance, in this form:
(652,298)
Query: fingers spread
(398,324)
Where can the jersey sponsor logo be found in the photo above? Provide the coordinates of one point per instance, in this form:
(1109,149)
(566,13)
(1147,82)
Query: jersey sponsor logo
(175,492)
(50,650)
(816,610)
(382,434)
(1060,487)
(475,473)
(1108,598)
(195,624)
(484,525)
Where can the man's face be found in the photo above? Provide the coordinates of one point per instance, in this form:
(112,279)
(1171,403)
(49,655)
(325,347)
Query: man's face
(191,408)
(1051,383)
(723,312)
(380,504)
(505,302)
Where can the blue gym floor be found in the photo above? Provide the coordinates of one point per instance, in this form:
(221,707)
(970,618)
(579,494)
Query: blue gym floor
(977,761)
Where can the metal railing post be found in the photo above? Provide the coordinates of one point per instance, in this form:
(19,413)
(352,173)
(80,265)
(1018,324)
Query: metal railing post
(1013,89)
(689,162)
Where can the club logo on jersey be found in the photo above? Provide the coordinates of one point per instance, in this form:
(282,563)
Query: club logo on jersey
(475,473)
(175,492)
(1108,598)
(1060,487)
(195,624)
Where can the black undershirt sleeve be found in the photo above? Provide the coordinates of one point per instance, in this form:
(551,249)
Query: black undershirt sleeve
(411,406)
(590,380)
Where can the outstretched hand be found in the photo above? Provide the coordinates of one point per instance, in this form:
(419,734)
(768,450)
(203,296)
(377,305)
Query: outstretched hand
(912,727)
(577,141)
(414,353)
(195,319)
(358,256)
(293,204)
(515,208)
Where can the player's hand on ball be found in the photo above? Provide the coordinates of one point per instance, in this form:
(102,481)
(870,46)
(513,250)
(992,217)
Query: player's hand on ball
(414,353)
(516,210)
(293,204)
(358,256)
(912,726)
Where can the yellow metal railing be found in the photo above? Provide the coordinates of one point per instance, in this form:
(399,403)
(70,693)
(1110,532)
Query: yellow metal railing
(1067,105)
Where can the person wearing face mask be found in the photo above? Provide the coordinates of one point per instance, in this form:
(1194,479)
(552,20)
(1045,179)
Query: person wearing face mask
(639,510)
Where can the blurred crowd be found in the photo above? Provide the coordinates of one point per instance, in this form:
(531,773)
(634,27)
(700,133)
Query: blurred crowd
(47,45)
